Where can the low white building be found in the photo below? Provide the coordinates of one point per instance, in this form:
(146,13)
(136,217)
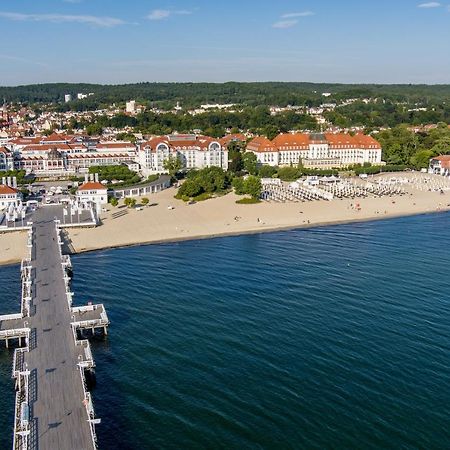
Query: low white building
(440,165)
(92,193)
(9,196)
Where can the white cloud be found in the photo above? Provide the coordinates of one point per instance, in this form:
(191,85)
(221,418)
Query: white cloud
(289,20)
(98,21)
(161,14)
(429,5)
(297,14)
(285,23)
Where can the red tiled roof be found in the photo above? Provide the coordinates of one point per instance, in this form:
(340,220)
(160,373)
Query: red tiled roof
(364,141)
(91,185)
(55,137)
(261,144)
(298,140)
(232,137)
(301,141)
(4,190)
(46,147)
(106,145)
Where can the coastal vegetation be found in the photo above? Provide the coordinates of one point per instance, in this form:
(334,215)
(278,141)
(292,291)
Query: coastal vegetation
(250,185)
(202,184)
(248,201)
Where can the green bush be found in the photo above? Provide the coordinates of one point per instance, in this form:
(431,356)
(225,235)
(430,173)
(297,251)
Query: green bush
(267,171)
(252,186)
(210,180)
(248,201)
(238,185)
(289,173)
(202,197)
(190,188)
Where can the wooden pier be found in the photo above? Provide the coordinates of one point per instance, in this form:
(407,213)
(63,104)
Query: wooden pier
(54,408)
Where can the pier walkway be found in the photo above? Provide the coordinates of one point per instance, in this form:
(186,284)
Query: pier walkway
(53,405)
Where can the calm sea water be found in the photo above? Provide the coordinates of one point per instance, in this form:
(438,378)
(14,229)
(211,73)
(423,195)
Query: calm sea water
(329,338)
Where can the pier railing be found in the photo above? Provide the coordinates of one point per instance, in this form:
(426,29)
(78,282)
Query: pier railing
(85,358)
(22,404)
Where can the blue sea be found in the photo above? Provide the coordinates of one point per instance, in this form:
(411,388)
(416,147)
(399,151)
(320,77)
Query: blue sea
(329,338)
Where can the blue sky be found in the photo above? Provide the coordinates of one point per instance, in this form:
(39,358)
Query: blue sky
(106,41)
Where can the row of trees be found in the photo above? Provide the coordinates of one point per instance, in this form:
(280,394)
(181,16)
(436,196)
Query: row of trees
(383,113)
(118,173)
(212,123)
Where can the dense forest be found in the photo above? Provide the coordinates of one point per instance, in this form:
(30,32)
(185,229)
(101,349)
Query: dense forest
(250,94)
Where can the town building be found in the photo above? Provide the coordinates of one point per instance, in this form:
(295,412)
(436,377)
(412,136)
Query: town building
(9,194)
(194,152)
(440,165)
(6,160)
(59,155)
(130,107)
(92,193)
(316,150)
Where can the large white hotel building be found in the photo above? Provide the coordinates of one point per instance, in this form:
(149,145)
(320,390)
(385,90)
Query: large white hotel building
(316,150)
(194,152)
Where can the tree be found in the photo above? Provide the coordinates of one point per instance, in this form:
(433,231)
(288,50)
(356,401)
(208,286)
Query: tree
(253,186)
(235,163)
(113,201)
(145,201)
(238,185)
(422,158)
(250,163)
(289,173)
(130,202)
(190,188)
(94,129)
(173,165)
(212,179)
(267,171)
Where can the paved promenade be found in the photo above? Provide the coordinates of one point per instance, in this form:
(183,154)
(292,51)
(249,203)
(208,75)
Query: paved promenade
(57,414)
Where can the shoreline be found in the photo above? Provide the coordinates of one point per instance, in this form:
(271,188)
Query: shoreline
(169,220)
(266,230)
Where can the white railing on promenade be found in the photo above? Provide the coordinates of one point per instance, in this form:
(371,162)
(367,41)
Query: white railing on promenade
(10,317)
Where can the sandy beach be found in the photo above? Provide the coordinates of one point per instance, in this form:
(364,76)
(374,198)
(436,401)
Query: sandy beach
(222,216)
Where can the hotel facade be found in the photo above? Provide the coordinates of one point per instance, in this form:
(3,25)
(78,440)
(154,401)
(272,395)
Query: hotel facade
(316,150)
(60,155)
(194,152)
